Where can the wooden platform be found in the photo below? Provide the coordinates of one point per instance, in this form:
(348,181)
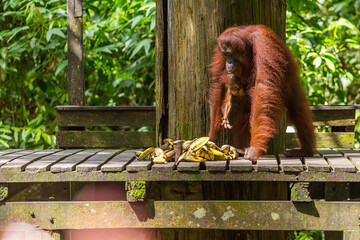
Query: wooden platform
(98,165)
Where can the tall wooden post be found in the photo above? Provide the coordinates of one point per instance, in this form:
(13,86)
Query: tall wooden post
(186,35)
(75,53)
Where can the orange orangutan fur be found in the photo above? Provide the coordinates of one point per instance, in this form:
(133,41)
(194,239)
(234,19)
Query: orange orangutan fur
(269,76)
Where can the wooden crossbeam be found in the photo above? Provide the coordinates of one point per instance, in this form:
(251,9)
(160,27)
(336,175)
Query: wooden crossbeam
(249,215)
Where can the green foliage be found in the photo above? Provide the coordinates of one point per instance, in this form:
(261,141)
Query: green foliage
(324,36)
(119,61)
(307,235)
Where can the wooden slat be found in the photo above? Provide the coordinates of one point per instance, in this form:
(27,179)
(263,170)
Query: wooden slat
(334,117)
(19,164)
(236,215)
(163,168)
(94,162)
(291,164)
(240,165)
(119,162)
(316,163)
(267,164)
(69,163)
(188,167)
(8,151)
(7,158)
(139,165)
(353,156)
(324,140)
(46,162)
(104,139)
(336,161)
(216,166)
(124,116)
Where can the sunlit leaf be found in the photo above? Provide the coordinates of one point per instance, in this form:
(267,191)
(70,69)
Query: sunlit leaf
(56,31)
(317,62)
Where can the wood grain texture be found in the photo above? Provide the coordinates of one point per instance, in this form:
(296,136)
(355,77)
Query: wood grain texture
(9,157)
(337,161)
(76,83)
(316,163)
(267,164)
(324,140)
(19,164)
(274,215)
(69,163)
(102,139)
(291,164)
(240,165)
(188,167)
(216,166)
(94,162)
(44,164)
(106,117)
(119,162)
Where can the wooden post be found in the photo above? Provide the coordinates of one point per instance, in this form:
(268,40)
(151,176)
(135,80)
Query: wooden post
(186,35)
(75,53)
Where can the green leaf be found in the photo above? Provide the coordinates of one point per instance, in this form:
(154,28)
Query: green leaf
(56,31)
(2,64)
(330,64)
(60,67)
(2,142)
(136,20)
(146,43)
(46,138)
(317,62)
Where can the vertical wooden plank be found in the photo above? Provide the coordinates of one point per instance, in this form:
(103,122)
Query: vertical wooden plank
(75,53)
(161,70)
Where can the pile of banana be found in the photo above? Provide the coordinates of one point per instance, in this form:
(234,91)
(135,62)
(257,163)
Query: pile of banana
(197,150)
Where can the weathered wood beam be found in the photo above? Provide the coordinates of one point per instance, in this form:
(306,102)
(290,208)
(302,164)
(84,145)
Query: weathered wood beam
(175,176)
(104,139)
(252,215)
(75,53)
(104,116)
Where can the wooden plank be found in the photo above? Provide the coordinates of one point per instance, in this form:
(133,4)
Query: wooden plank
(69,163)
(76,85)
(351,235)
(163,168)
(336,161)
(179,176)
(240,165)
(161,70)
(267,164)
(19,164)
(316,163)
(188,167)
(216,166)
(8,151)
(324,140)
(315,108)
(119,162)
(353,156)
(94,162)
(7,158)
(239,215)
(107,117)
(291,164)
(334,117)
(46,162)
(139,165)
(104,139)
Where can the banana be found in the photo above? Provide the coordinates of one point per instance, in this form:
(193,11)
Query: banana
(146,153)
(199,143)
(159,160)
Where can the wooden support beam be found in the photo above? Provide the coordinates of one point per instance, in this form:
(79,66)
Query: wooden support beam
(75,53)
(252,215)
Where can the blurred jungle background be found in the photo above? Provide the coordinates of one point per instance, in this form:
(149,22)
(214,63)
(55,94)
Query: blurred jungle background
(119,46)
